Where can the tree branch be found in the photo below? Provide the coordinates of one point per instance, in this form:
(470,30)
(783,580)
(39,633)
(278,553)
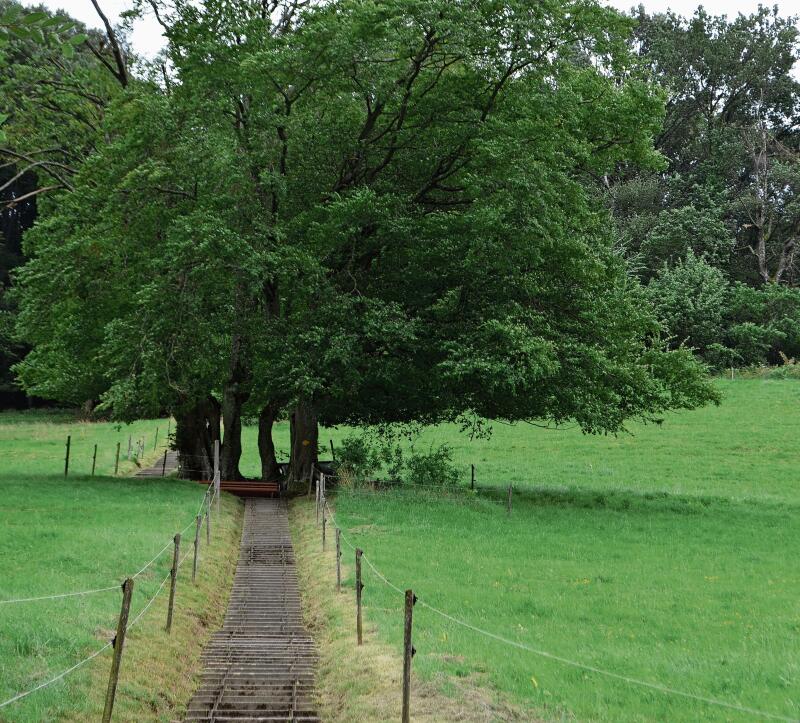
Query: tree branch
(121,73)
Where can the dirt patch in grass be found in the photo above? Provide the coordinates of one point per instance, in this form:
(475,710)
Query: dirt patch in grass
(356,684)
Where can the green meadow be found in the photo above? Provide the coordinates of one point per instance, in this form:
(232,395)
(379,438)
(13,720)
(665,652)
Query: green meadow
(60,535)
(667,555)
(664,555)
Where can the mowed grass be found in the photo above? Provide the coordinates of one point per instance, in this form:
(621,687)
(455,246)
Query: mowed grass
(62,535)
(668,556)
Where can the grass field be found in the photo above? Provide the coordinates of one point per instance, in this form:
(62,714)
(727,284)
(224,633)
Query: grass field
(668,556)
(62,535)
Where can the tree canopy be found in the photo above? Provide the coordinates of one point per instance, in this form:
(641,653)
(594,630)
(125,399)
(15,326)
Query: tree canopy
(366,212)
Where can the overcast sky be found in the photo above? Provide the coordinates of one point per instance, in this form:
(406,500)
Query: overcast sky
(147,33)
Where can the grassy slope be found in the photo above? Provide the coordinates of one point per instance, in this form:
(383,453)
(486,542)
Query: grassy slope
(61,535)
(665,556)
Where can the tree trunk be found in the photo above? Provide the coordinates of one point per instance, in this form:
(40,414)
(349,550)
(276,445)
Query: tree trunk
(232,402)
(196,428)
(304,435)
(266,447)
(234,394)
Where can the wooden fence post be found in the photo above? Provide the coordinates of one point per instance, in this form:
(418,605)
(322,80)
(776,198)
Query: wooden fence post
(408,653)
(338,561)
(164,465)
(509,499)
(198,523)
(323,529)
(173,574)
(208,517)
(116,461)
(155,442)
(359,588)
(316,497)
(66,458)
(472,483)
(119,641)
(333,454)
(94,460)
(217,479)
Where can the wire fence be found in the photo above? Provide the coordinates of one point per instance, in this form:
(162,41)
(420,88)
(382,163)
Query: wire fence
(413,596)
(204,513)
(85,456)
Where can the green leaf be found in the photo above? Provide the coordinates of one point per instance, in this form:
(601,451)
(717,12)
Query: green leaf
(77,39)
(33,18)
(67,50)
(3,136)
(3,118)
(21,33)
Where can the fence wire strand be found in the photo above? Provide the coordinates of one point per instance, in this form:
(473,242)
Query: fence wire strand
(134,576)
(558,658)
(133,622)
(63,674)
(60,595)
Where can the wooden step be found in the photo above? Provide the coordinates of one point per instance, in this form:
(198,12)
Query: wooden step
(248,488)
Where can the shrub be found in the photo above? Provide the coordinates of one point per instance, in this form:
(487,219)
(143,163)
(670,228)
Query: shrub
(689,299)
(358,458)
(775,309)
(434,467)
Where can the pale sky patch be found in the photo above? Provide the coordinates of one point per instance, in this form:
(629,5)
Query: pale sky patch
(147,38)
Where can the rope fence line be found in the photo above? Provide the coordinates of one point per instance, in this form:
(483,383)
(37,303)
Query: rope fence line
(112,587)
(658,687)
(126,599)
(60,595)
(63,674)
(138,447)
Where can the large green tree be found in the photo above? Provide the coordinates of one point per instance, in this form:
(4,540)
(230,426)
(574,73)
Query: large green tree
(359,211)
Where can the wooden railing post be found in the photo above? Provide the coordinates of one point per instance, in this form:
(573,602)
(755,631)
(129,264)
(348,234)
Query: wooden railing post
(173,574)
(119,642)
(323,529)
(408,654)
(208,516)
(217,479)
(66,458)
(130,447)
(338,560)
(198,523)
(164,465)
(116,461)
(94,460)
(359,588)
(155,442)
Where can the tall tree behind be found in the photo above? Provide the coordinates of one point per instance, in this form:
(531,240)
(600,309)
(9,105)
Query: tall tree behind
(54,87)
